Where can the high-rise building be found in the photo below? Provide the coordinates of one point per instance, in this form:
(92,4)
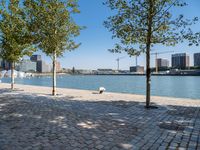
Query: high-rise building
(26,66)
(5,65)
(43,67)
(162,63)
(180,61)
(36,58)
(197,59)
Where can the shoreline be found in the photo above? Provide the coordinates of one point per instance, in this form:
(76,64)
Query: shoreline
(47,74)
(139,74)
(90,95)
(114,74)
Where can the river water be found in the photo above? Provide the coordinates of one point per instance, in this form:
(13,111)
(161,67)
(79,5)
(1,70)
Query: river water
(170,86)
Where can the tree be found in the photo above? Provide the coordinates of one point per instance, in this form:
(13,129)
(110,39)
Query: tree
(141,24)
(53,27)
(15,41)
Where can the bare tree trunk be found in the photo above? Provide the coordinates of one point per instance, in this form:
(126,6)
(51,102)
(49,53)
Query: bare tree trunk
(54,74)
(12,75)
(148,48)
(148,78)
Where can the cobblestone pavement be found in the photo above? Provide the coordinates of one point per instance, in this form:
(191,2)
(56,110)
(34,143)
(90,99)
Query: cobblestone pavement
(31,121)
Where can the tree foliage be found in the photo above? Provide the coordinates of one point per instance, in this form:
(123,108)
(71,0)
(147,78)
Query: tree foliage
(130,24)
(15,40)
(52,25)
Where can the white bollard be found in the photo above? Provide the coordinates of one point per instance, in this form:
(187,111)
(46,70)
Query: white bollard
(101,90)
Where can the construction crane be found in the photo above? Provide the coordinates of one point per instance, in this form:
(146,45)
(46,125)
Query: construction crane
(136,58)
(156,57)
(118,59)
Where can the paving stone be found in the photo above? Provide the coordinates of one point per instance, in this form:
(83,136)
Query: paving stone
(31,121)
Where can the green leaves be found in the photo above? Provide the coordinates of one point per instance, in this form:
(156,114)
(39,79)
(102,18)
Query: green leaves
(52,25)
(46,24)
(132,17)
(15,41)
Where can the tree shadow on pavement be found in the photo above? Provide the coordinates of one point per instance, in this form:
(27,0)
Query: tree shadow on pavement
(42,122)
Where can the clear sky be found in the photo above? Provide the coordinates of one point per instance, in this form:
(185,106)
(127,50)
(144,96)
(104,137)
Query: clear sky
(96,39)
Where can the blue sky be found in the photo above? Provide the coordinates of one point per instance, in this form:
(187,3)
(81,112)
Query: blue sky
(96,40)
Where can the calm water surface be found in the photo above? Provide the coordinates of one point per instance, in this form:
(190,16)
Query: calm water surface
(171,86)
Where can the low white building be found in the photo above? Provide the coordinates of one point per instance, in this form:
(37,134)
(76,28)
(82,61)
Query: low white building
(26,66)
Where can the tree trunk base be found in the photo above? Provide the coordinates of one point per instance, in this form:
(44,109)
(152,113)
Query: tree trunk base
(151,107)
(54,92)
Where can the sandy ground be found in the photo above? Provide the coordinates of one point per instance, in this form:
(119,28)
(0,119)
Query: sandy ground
(88,95)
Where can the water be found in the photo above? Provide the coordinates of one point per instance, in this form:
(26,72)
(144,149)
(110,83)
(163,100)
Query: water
(170,86)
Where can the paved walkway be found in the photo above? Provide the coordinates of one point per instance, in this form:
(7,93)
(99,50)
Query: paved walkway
(33,121)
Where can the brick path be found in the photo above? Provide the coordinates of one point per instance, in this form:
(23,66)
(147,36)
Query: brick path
(31,121)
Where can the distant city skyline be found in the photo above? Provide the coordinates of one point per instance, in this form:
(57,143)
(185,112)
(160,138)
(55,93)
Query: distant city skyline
(35,63)
(96,40)
(162,62)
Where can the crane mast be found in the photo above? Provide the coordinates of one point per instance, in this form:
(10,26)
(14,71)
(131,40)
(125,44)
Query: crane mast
(118,59)
(156,58)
